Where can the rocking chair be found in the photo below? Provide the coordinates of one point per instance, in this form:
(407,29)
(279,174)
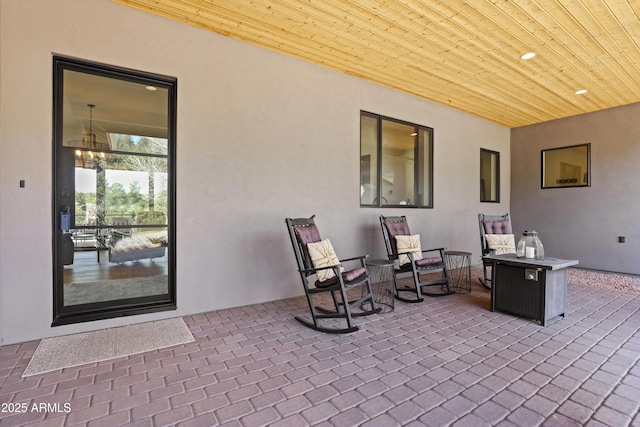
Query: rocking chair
(315,256)
(408,257)
(496,237)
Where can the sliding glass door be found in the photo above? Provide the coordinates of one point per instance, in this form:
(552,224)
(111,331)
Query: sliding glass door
(114,191)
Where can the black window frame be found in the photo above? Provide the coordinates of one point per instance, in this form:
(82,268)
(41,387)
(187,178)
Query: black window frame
(379,200)
(496,177)
(560,182)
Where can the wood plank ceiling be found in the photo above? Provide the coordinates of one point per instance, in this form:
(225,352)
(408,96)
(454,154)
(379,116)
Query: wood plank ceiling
(461,53)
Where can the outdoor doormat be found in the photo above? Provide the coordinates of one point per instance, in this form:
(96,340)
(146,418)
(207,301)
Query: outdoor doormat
(89,347)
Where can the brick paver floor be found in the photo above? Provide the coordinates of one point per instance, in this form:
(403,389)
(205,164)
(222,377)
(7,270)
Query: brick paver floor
(446,361)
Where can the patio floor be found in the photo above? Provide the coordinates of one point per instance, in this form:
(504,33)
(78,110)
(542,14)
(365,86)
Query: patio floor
(446,361)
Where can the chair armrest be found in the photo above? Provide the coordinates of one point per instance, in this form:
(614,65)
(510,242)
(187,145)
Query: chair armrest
(313,270)
(433,250)
(354,258)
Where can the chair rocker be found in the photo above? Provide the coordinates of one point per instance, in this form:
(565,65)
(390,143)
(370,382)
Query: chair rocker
(306,240)
(496,237)
(414,262)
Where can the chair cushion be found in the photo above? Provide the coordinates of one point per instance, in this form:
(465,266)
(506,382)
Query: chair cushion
(397,228)
(408,244)
(501,243)
(323,255)
(347,276)
(497,227)
(351,275)
(305,235)
(430,261)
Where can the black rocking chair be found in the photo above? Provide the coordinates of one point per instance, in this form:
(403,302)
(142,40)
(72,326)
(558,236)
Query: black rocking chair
(494,226)
(414,262)
(303,233)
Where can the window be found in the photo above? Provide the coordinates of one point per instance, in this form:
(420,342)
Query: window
(489,176)
(566,166)
(396,163)
(114,191)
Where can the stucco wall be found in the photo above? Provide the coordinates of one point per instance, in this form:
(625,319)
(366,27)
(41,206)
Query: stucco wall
(261,137)
(583,223)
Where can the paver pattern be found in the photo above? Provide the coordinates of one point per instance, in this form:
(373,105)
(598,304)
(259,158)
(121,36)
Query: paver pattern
(446,361)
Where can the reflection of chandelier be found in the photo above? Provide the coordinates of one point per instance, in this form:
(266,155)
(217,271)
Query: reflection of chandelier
(89,139)
(87,159)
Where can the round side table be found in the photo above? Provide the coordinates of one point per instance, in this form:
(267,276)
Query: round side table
(459,270)
(381,277)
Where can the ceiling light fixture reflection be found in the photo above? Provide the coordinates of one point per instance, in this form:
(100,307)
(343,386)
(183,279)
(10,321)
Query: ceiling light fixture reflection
(89,140)
(528,55)
(581,92)
(87,159)
(151,88)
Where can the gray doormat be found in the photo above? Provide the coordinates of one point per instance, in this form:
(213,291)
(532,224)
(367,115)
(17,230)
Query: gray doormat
(89,347)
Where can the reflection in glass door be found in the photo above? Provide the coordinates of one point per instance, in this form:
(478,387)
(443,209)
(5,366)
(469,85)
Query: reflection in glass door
(114,192)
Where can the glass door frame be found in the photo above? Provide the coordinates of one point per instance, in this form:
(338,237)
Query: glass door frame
(69,314)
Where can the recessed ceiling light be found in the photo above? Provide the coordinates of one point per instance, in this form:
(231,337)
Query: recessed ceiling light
(581,92)
(528,55)
(151,88)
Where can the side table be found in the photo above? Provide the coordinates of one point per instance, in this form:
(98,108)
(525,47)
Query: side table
(381,279)
(459,270)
